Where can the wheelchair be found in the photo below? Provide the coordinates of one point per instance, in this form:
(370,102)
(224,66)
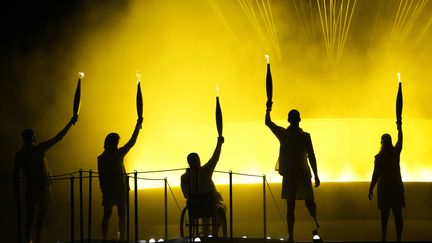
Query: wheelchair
(203,217)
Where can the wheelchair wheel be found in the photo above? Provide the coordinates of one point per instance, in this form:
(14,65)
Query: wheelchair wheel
(218,224)
(186,226)
(194,228)
(184,223)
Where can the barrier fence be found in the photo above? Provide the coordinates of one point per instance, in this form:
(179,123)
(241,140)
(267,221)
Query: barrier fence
(82,175)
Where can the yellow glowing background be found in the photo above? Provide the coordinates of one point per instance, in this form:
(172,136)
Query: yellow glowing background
(183,48)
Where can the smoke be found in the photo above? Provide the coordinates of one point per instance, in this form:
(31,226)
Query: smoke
(361,83)
(183,50)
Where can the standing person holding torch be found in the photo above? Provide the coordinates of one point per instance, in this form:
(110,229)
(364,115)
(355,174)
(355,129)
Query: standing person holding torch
(113,180)
(390,192)
(295,151)
(31,162)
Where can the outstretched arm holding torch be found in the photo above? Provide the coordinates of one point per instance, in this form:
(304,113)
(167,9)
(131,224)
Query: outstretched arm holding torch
(388,177)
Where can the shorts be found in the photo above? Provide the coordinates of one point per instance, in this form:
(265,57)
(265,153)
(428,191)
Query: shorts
(297,189)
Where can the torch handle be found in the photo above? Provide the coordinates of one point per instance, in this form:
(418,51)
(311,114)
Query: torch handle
(399,104)
(77,99)
(269,84)
(219,123)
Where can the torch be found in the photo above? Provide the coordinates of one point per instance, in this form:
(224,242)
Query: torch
(77,97)
(399,101)
(139,100)
(219,124)
(269,82)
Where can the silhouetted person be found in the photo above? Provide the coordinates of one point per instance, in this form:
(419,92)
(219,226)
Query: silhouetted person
(390,192)
(197,180)
(295,150)
(30,160)
(113,180)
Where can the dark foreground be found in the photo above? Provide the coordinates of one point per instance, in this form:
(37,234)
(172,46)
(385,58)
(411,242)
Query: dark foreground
(222,240)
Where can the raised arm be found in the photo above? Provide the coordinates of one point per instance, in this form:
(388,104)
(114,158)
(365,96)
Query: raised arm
(133,138)
(268,120)
(399,142)
(211,164)
(277,131)
(49,143)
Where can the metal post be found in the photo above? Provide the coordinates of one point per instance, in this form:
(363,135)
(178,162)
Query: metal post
(127,212)
(19,212)
(264,207)
(166,207)
(90,205)
(72,209)
(231,204)
(136,205)
(81,206)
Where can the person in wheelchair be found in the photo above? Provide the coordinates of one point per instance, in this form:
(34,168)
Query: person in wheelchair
(199,190)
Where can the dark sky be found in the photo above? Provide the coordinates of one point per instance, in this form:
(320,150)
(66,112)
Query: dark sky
(24,26)
(48,29)
(27,25)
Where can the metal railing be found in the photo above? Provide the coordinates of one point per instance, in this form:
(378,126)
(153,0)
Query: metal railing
(90,174)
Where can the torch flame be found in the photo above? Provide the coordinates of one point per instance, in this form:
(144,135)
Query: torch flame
(399,77)
(138,75)
(217,89)
(81,74)
(267,57)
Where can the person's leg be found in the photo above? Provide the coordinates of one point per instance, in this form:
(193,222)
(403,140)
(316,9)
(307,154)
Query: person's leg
(105,221)
(206,226)
(40,218)
(397,213)
(385,212)
(121,212)
(311,206)
(219,220)
(31,210)
(290,219)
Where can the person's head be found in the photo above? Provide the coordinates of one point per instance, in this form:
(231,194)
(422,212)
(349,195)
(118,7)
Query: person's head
(386,141)
(28,135)
(294,117)
(194,161)
(111,141)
